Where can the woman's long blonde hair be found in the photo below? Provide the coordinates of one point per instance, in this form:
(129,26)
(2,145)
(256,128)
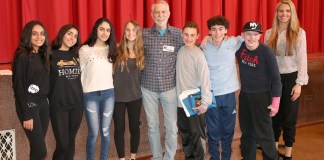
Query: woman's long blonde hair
(292,30)
(123,51)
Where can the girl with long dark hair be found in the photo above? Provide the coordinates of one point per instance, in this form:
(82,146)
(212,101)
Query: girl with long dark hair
(97,56)
(66,96)
(30,82)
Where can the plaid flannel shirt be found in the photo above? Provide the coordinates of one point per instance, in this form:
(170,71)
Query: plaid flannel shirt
(160,65)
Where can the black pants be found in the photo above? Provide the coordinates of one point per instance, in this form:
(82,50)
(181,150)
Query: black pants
(65,125)
(256,125)
(192,130)
(134,113)
(286,117)
(36,137)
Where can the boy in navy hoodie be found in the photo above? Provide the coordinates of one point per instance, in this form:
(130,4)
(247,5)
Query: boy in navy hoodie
(260,94)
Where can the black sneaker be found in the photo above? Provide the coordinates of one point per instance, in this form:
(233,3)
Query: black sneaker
(258,147)
(281,155)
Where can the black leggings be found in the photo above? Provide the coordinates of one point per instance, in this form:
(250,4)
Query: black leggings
(36,137)
(65,125)
(286,117)
(134,112)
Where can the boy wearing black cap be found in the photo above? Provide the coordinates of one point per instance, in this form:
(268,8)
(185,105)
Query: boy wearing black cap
(260,94)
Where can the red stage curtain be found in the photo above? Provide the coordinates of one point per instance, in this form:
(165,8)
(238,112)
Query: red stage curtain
(16,13)
(10,28)
(312,20)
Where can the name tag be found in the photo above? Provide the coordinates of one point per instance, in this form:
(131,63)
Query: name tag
(168,48)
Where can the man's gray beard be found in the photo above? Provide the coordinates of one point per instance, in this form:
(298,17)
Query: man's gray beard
(161,24)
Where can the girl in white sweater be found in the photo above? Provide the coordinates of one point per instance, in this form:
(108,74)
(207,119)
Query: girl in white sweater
(97,56)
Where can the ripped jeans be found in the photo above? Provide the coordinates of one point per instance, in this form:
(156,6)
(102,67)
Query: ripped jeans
(99,107)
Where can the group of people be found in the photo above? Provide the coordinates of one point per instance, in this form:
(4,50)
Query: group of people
(102,80)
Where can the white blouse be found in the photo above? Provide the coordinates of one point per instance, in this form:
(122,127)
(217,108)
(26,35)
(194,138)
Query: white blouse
(297,62)
(96,70)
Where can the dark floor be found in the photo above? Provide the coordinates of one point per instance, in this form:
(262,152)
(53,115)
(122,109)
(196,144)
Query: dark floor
(309,145)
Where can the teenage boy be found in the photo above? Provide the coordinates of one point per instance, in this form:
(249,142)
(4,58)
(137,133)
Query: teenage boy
(220,56)
(260,94)
(192,72)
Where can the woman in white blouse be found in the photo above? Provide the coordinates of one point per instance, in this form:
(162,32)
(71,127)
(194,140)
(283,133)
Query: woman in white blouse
(288,41)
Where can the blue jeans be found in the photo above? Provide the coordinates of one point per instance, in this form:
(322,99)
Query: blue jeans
(99,107)
(168,101)
(220,126)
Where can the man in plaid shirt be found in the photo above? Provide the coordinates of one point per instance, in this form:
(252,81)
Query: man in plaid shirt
(161,44)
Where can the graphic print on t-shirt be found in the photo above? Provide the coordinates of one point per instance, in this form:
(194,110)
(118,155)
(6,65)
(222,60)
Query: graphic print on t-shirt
(69,69)
(249,59)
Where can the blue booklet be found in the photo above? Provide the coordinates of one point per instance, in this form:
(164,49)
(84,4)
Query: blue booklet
(192,99)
